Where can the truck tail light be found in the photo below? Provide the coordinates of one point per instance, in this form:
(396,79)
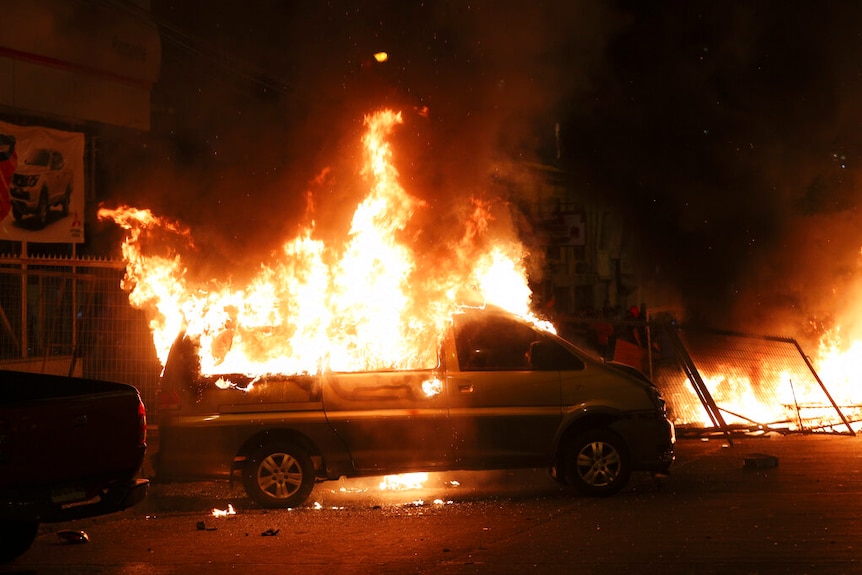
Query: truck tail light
(142,423)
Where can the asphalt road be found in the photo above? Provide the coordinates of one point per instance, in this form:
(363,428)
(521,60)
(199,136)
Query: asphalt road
(723,510)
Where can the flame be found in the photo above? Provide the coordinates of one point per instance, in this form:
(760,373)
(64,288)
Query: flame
(366,304)
(403,481)
(224,512)
(777,402)
(840,364)
(432,387)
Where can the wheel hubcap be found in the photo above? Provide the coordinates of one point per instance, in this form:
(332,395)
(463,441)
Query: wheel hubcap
(279,475)
(598,463)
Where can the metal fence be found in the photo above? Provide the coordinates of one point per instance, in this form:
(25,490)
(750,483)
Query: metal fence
(69,316)
(733,381)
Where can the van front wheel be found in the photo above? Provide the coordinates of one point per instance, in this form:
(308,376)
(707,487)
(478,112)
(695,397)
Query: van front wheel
(279,475)
(597,463)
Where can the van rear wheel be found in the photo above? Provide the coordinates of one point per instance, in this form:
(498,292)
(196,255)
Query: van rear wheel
(597,463)
(279,475)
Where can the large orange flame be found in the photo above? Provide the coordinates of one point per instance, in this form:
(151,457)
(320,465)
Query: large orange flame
(364,305)
(839,363)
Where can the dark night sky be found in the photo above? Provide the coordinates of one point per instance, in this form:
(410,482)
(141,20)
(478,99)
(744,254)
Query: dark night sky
(727,133)
(731,135)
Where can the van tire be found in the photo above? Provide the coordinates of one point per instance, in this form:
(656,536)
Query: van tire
(597,463)
(279,475)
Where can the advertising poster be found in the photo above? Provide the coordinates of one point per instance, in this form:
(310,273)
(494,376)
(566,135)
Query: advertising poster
(41,184)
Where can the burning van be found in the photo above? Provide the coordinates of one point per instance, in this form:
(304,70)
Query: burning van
(500,393)
(352,356)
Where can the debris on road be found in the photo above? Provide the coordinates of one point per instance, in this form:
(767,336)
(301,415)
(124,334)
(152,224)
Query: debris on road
(224,512)
(760,461)
(202,526)
(73,537)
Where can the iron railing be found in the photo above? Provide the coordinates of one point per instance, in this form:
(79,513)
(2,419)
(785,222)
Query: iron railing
(69,316)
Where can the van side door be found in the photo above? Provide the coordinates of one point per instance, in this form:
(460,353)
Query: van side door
(391,422)
(505,408)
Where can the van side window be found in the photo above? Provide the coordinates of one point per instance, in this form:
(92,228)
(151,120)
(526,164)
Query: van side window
(493,344)
(500,344)
(548,355)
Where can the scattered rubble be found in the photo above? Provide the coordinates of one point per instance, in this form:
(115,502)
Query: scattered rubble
(202,526)
(73,537)
(760,461)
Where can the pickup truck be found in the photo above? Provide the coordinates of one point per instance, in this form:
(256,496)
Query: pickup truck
(41,182)
(69,448)
(503,394)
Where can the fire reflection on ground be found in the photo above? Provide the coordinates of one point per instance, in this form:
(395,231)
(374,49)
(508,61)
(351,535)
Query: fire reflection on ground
(440,489)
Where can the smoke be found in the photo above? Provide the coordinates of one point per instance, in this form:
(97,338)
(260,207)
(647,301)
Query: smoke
(728,136)
(725,136)
(252,107)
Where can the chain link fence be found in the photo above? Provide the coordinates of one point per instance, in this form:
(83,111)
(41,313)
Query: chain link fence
(70,317)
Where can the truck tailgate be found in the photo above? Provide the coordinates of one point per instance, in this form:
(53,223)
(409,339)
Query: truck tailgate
(75,437)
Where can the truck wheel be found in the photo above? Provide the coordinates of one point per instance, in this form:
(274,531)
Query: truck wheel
(16,537)
(67,199)
(597,463)
(42,213)
(279,475)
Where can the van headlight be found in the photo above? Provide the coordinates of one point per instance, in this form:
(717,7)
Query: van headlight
(658,400)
